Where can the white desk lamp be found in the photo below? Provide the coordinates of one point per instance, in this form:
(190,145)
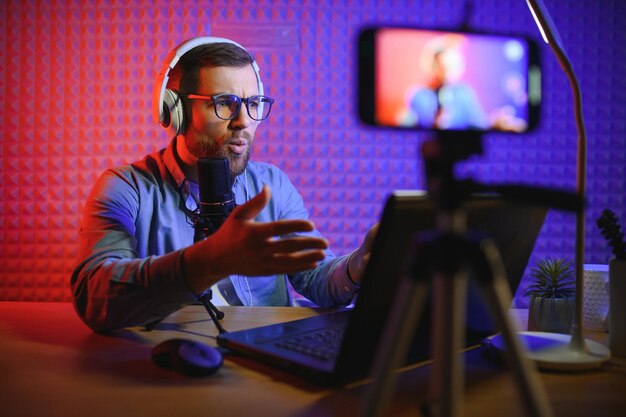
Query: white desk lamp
(552,350)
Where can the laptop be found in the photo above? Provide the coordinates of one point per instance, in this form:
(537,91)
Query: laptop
(339,347)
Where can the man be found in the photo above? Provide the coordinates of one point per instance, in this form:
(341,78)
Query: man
(445,101)
(138,261)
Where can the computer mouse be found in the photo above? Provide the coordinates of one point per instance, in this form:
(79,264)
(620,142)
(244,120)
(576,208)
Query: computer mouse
(187,357)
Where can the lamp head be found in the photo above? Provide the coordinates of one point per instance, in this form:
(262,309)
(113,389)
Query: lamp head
(549,32)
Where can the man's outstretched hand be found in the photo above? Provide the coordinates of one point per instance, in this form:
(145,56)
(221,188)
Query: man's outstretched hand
(243,246)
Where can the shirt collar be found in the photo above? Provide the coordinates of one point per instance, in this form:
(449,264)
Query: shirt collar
(172,163)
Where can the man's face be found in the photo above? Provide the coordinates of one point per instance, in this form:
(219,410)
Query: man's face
(451,64)
(209,136)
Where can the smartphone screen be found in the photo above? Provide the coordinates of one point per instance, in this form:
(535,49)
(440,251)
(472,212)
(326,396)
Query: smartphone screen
(445,80)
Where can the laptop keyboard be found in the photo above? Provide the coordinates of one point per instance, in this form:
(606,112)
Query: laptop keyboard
(321,344)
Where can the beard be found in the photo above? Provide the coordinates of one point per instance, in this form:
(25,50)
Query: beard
(202,146)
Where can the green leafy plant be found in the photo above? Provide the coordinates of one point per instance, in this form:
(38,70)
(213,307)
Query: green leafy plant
(554,278)
(610,228)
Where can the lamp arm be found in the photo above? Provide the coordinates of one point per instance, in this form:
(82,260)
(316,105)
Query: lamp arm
(551,36)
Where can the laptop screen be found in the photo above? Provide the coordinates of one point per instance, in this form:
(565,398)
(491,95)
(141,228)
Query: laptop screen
(512,227)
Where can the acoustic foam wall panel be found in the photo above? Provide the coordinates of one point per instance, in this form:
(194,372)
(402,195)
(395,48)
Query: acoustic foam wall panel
(76,80)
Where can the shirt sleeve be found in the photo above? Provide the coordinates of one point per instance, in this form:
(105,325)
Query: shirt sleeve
(112,287)
(328,285)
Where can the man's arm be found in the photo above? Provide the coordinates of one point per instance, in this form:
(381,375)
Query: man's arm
(113,287)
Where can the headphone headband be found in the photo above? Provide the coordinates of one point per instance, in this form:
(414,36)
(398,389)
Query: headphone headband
(166,105)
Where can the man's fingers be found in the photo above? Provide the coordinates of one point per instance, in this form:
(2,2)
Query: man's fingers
(299,261)
(287,263)
(296,244)
(252,208)
(284,227)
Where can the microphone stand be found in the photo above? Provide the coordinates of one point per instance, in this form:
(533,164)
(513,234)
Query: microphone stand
(205,226)
(216,315)
(215,205)
(209,216)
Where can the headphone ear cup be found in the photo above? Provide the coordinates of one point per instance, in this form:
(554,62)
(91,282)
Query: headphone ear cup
(173,116)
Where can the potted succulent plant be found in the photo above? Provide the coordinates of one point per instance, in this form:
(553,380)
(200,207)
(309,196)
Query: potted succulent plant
(611,230)
(551,294)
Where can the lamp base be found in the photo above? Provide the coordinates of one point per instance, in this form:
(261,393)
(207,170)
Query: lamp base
(554,352)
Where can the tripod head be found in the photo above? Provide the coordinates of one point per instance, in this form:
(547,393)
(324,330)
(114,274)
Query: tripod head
(447,148)
(440,157)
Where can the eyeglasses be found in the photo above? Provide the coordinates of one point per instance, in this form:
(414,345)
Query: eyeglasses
(227,106)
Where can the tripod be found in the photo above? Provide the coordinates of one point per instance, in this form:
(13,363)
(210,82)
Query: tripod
(444,258)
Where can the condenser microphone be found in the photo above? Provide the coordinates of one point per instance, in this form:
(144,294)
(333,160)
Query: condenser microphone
(216,195)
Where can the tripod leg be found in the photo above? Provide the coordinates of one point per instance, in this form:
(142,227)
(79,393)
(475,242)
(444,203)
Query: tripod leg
(393,347)
(446,388)
(529,384)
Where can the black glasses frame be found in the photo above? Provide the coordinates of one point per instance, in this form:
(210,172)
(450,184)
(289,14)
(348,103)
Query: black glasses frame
(266,101)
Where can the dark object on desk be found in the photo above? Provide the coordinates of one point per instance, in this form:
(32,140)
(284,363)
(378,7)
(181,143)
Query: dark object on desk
(304,347)
(187,357)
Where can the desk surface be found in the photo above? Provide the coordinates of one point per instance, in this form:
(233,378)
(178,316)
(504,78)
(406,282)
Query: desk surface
(51,364)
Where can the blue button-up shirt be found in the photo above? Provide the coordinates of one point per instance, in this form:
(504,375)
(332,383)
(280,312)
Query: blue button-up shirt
(136,222)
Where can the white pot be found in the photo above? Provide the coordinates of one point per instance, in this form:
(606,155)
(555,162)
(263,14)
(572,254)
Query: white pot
(596,297)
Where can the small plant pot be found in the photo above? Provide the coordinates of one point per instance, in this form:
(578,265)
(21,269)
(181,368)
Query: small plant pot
(551,314)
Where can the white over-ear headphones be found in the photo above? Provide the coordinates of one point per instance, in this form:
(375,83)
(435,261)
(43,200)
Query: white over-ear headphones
(167,107)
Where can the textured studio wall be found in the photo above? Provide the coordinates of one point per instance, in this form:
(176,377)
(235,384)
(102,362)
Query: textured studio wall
(76,80)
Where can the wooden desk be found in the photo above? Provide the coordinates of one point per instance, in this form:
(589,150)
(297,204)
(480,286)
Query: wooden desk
(51,364)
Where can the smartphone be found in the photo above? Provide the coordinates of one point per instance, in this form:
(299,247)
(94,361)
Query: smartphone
(416,78)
